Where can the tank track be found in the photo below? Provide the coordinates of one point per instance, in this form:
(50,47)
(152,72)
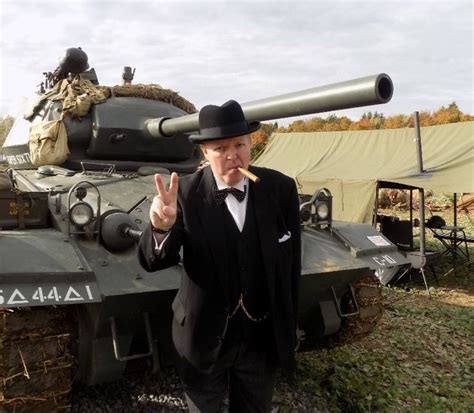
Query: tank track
(368,293)
(36,365)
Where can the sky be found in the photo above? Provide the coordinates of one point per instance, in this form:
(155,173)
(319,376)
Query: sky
(213,51)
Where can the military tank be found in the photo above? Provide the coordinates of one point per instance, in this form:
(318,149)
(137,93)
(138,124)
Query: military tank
(75,304)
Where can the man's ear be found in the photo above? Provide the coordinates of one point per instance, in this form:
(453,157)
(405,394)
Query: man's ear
(203,150)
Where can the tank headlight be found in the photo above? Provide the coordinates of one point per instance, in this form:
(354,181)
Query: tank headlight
(318,209)
(322,211)
(81,214)
(322,207)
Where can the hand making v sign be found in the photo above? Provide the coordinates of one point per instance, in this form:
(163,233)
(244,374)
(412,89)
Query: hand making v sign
(163,207)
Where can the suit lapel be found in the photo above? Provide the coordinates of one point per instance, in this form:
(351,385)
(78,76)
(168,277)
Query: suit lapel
(265,213)
(212,219)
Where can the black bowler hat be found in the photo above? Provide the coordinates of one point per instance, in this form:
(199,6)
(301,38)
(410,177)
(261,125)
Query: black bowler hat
(221,122)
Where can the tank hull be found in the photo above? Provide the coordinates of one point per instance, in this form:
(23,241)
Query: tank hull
(68,262)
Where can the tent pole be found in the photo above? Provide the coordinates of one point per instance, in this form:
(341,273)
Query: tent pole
(419,152)
(455,210)
(376,206)
(421,191)
(455,222)
(411,217)
(421,197)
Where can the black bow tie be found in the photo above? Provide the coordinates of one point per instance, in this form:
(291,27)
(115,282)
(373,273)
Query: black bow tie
(221,195)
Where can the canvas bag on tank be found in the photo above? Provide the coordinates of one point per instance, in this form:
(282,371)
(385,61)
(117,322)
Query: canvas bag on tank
(48,143)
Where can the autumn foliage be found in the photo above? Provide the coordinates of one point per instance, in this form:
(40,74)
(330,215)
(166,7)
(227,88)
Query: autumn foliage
(260,137)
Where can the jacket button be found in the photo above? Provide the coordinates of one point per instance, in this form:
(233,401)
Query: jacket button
(220,339)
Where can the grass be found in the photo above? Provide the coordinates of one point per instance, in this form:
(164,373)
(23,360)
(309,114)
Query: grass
(420,358)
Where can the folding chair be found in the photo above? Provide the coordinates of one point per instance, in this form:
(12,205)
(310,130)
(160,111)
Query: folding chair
(452,237)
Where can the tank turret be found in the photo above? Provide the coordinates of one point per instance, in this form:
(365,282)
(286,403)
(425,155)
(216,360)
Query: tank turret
(146,125)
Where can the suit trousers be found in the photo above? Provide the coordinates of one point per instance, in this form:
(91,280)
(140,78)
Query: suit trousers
(247,372)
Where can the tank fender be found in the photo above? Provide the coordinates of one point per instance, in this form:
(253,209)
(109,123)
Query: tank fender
(54,273)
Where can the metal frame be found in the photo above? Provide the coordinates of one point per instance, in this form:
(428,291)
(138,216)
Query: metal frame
(115,341)
(352,297)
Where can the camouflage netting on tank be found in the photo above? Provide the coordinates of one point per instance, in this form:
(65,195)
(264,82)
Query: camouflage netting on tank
(155,92)
(35,361)
(78,95)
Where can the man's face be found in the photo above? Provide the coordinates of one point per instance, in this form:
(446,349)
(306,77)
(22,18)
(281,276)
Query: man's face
(226,155)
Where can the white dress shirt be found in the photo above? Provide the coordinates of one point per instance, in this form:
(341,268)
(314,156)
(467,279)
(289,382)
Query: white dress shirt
(237,209)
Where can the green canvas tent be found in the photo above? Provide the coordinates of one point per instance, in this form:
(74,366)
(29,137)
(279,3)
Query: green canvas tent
(351,164)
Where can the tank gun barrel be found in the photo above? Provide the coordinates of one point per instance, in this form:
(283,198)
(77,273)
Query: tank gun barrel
(364,91)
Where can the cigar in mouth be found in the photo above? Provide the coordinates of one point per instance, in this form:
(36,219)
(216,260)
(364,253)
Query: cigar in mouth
(249,175)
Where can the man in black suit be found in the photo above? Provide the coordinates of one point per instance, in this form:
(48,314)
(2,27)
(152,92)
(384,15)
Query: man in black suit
(235,312)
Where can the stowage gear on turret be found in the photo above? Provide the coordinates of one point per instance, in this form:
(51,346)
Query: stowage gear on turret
(78,92)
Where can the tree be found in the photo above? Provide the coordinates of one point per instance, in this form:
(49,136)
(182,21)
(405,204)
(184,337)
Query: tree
(396,122)
(260,137)
(450,114)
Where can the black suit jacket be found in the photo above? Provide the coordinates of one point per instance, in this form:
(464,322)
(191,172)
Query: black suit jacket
(201,305)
